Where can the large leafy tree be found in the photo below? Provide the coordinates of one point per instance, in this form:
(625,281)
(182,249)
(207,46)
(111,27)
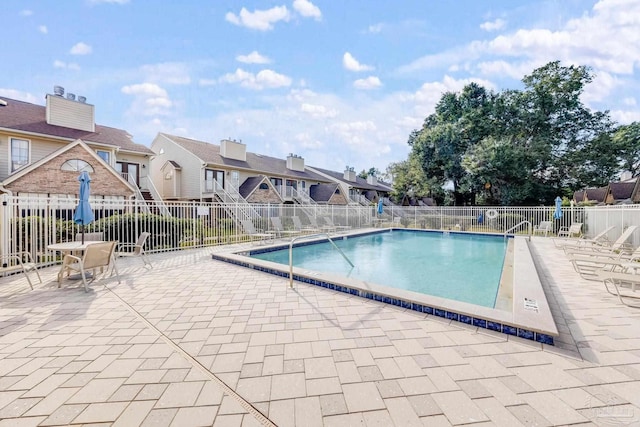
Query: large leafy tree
(627,140)
(521,146)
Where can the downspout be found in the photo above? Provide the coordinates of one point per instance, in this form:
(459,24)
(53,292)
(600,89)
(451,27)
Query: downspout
(4,220)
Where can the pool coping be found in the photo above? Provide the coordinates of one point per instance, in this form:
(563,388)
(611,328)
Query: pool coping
(530,317)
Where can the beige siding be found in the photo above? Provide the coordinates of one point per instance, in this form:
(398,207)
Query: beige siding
(70,114)
(191,176)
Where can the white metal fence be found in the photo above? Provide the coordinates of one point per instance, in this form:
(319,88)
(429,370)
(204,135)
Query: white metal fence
(31,224)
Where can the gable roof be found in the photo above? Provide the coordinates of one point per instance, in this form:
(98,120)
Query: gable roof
(622,190)
(33,166)
(30,118)
(596,194)
(360,183)
(249,185)
(210,154)
(322,192)
(578,196)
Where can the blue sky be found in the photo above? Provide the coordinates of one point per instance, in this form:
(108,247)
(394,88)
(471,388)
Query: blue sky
(339,83)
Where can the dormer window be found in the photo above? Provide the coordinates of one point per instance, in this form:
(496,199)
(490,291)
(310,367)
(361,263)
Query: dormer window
(76,165)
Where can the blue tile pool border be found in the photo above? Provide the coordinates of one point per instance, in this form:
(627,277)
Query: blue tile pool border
(398,302)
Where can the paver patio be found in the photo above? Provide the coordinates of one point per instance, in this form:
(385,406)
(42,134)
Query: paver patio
(200,342)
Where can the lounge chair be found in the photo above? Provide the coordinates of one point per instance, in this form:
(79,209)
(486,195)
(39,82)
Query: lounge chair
(250,230)
(330,223)
(280,231)
(599,239)
(588,264)
(543,228)
(96,255)
(297,225)
(619,246)
(574,230)
(20,262)
(619,279)
(135,250)
(323,228)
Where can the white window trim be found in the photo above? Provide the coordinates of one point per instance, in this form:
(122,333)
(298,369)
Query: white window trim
(109,152)
(11,138)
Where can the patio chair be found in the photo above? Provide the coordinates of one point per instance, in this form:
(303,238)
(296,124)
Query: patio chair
(96,256)
(135,250)
(330,223)
(599,239)
(618,280)
(323,228)
(252,232)
(574,230)
(280,231)
(297,225)
(619,246)
(543,228)
(589,263)
(20,262)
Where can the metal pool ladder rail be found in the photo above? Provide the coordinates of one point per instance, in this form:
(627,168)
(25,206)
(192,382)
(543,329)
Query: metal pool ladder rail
(308,237)
(518,225)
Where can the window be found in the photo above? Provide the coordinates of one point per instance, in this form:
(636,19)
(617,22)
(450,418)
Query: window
(276,181)
(76,165)
(19,153)
(105,155)
(263,186)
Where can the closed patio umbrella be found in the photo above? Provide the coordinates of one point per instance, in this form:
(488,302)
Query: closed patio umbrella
(83,214)
(380,207)
(558,212)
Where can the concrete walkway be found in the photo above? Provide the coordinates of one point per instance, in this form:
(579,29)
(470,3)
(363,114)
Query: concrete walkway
(200,342)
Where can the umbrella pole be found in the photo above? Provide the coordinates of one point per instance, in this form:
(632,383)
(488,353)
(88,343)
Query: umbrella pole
(83,234)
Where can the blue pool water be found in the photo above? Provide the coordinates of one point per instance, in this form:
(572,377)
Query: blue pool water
(461,267)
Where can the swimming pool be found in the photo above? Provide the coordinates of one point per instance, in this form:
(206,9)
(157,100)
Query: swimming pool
(521,310)
(462,267)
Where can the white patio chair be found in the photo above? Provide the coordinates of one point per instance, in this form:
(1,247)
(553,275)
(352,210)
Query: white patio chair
(330,223)
(280,231)
(543,228)
(96,256)
(135,250)
(20,262)
(619,280)
(600,239)
(252,232)
(574,230)
(297,225)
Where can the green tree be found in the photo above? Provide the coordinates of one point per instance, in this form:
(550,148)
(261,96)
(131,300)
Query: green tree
(372,171)
(627,140)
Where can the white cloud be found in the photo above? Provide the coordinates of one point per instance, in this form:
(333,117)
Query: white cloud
(307,9)
(352,64)
(494,25)
(630,101)
(318,111)
(149,100)
(26,12)
(80,49)
(603,84)
(66,65)
(375,28)
(145,89)
(370,82)
(425,99)
(43,29)
(265,79)
(261,20)
(253,58)
(175,73)
(626,117)
(207,82)
(20,95)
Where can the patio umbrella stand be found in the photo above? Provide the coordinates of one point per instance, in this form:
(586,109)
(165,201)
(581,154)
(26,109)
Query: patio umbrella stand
(83,214)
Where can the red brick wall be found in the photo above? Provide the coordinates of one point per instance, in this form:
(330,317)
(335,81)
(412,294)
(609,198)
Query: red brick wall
(48,178)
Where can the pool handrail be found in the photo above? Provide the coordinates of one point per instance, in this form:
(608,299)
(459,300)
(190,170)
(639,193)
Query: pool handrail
(307,237)
(518,225)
